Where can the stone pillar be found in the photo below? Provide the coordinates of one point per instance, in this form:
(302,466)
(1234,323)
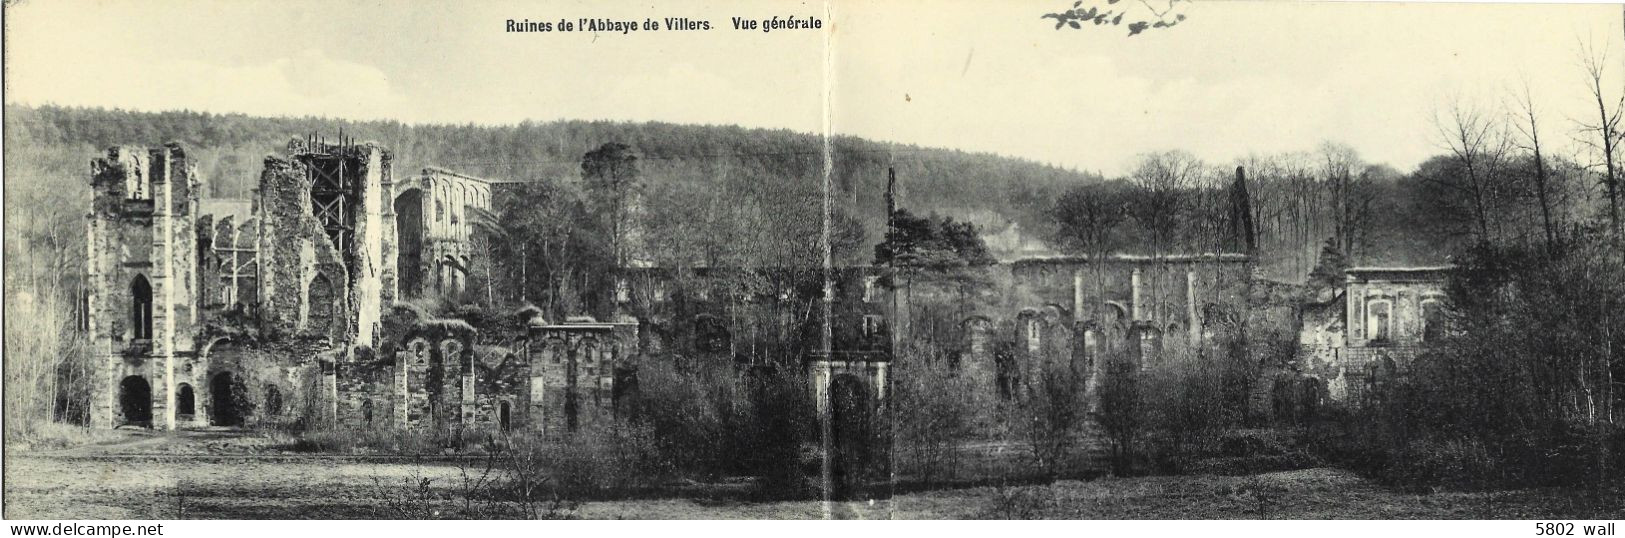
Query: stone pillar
(403,394)
(163,292)
(1136,309)
(1077,295)
(103,391)
(389,260)
(330,391)
(367,290)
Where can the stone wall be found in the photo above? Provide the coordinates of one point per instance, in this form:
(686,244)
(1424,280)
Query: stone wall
(571,372)
(436,254)
(142,277)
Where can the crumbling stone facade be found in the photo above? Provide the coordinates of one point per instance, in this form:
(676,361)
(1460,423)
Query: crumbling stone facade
(434,212)
(577,373)
(1001,327)
(288,314)
(1040,314)
(1381,320)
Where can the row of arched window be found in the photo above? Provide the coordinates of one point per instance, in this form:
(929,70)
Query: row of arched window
(1380,321)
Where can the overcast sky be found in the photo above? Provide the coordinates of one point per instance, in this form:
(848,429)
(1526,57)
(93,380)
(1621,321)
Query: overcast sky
(1235,78)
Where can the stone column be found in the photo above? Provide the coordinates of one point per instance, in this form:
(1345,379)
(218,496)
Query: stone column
(1136,308)
(104,391)
(367,289)
(390,274)
(163,292)
(330,390)
(537,411)
(1077,294)
(403,391)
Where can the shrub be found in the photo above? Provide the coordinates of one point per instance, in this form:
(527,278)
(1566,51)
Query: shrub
(1025,502)
(1457,463)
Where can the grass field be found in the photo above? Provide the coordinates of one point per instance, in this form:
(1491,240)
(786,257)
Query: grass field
(216,475)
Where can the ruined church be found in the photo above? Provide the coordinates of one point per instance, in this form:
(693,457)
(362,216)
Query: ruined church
(296,307)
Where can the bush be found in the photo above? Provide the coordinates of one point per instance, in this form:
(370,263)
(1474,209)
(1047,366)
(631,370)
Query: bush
(600,462)
(713,423)
(1456,463)
(1025,502)
(935,413)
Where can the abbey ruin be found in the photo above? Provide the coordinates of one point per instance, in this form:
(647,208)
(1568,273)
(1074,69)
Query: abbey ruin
(297,308)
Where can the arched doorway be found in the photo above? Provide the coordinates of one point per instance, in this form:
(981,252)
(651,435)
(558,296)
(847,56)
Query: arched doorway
(135,401)
(185,401)
(502,417)
(409,228)
(226,391)
(850,432)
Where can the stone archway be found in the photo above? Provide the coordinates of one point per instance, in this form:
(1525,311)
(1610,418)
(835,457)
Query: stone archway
(185,401)
(135,401)
(226,391)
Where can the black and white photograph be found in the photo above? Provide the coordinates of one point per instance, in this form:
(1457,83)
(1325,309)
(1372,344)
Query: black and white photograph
(1084,260)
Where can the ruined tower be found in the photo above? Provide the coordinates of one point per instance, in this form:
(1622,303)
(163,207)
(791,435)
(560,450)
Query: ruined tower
(142,261)
(327,234)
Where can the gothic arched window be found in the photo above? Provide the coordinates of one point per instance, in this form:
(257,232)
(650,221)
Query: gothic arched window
(141,308)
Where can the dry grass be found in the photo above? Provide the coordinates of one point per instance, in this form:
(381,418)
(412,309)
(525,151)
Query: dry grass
(310,488)
(56,435)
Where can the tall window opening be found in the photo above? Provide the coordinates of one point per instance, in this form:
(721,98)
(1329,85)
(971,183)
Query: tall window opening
(1034,336)
(1006,374)
(1432,320)
(141,308)
(1379,320)
(185,400)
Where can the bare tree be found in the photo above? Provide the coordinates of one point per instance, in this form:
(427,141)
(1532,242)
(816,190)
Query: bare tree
(1346,177)
(1477,143)
(1607,134)
(1162,181)
(1528,125)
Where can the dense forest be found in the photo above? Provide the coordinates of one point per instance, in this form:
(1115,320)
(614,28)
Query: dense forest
(1393,217)
(48,146)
